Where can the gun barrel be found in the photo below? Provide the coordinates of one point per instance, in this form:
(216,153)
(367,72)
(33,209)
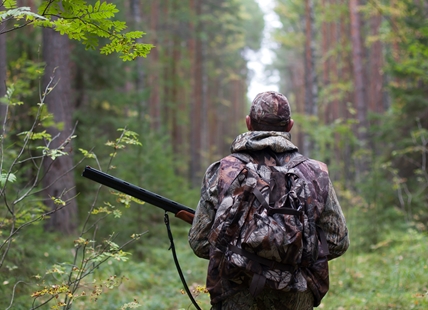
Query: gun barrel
(134,191)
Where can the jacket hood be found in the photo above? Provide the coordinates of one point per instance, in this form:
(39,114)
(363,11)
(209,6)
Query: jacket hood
(259,140)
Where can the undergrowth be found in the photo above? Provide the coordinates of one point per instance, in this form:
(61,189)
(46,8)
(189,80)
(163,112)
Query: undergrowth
(390,274)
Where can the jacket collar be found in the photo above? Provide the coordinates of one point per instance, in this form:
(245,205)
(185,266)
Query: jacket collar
(259,140)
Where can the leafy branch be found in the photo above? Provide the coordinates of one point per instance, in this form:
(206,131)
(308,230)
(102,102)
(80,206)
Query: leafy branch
(92,258)
(82,22)
(36,146)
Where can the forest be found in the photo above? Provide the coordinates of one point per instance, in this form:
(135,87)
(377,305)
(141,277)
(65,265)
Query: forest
(154,91)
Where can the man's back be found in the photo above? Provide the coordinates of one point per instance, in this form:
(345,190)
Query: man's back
(268,141)
(268,148)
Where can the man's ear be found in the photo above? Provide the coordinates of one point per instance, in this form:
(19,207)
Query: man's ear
(290,125)
(248,122)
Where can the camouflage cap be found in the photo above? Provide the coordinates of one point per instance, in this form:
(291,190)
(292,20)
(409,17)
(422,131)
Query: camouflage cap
(270,111)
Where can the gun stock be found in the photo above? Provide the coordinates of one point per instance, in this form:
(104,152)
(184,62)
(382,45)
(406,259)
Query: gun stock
(182,212)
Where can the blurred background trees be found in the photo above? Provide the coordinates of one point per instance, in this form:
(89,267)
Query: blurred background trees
(355,72)
(370,122)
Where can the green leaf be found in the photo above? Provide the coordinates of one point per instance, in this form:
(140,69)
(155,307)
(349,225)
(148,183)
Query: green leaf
(87,154)
(37,135)
(5,177)
(9,4)
(88,23)
(20,13)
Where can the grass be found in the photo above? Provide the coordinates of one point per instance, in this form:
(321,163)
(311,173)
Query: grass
(154,282)
(388,274)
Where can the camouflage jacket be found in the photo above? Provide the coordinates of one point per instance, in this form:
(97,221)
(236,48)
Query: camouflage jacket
(268,147)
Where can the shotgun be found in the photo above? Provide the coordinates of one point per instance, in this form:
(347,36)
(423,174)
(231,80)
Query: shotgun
(182,212)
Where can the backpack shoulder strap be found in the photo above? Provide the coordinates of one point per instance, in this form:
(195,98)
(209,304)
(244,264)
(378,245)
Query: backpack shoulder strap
(295,161)
(230,167)
(243,157)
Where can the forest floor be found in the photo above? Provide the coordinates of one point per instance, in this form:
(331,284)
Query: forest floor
(388,273)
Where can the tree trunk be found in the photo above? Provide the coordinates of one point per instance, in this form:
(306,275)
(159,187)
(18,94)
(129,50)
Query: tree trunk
(359,81)
(376,64)
(297,81)
(358,73)
(218,130)
(196,105)
(59,179)
(135,7)
(175,103)
(204,143)
(334,63)
(3,76)
(334,71)
(154,97)
(344,74)
(326,31)
(311,87)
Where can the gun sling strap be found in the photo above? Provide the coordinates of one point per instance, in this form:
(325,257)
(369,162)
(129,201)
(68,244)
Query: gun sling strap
(174,255)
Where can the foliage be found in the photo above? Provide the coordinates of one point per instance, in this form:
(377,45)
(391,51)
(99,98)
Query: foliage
(151,282)
(386,274)
(77,277)
(327,138)
(95,269)
(253,24)
(60,283)
(80,21)
(14,217)
(401,146)
(397,150)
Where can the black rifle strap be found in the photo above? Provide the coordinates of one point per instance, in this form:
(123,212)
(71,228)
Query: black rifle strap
(174,255)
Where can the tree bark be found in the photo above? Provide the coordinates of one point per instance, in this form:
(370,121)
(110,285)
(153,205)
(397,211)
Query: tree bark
(153,77)
(204,140)
(326,32)
(359,82)
(3,74)
(311,87)
(376,64)
(345,74)
(334,71)
(196,104)
(297,81)
(175,103)
(358,73)
(139,71)
(59,179)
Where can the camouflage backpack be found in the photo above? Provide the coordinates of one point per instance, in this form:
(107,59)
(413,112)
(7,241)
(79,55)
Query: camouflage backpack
(267,229)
